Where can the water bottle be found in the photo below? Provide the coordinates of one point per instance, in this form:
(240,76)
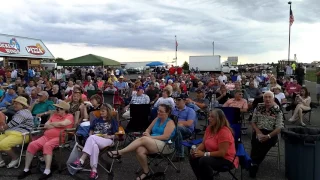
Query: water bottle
(213,98)
(193,150)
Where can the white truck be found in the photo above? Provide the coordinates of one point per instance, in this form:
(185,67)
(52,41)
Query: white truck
(210,64)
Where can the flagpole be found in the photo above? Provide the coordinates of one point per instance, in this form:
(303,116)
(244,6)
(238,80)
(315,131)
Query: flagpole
(289,31)
(176,50)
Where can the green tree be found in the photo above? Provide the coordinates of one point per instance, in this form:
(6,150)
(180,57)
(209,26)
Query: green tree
(185,66)
(59,59)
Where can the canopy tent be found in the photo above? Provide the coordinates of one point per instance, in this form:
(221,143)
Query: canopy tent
(89,60)
(155,63)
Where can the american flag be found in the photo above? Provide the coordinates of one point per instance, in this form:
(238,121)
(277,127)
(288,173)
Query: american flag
(291,19)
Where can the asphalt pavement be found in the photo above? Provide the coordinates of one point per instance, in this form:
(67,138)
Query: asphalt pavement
(126,169)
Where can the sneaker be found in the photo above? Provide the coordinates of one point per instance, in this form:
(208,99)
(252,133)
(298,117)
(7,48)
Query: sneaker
(2,164)
(76,165)
(303,124)
(93,175)
(24,174)
(13,163)
(291,119)
(45,176)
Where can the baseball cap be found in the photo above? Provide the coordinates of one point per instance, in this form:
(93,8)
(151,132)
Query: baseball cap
(43,93)
(10,87)
(182,96)
(140,87)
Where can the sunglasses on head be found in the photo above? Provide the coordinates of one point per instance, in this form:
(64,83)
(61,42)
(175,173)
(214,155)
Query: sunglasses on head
(107,105)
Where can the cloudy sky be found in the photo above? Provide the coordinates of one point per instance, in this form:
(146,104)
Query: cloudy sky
(144,30)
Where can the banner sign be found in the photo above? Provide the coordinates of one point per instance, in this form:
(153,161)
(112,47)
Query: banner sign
(15,46)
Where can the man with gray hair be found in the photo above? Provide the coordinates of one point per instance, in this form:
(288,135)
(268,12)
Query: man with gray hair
(42,107)
(267,122)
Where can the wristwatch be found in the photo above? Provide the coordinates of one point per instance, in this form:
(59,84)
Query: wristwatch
(269,136)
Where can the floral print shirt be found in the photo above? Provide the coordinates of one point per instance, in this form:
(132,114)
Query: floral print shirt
(268,120)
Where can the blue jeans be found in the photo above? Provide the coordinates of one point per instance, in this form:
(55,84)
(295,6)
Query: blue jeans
(183,133)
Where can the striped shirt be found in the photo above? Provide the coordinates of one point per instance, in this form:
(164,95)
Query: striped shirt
(22,121)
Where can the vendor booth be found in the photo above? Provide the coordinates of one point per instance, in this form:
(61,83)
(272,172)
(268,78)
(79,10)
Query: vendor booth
(22,52)
(89,60)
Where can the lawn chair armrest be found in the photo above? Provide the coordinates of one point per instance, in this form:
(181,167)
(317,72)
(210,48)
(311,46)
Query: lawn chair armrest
(70,130)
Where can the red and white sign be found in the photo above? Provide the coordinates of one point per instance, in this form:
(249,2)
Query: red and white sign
(7,48)
(35,50)
(15,46)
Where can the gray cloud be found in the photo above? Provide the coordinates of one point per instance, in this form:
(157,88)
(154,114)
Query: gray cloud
(237,27)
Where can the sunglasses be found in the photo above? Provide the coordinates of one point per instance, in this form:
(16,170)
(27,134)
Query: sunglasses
(59,109)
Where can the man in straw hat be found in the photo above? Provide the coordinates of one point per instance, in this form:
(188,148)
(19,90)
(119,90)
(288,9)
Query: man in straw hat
(60,120)
(22,122)
(120,84)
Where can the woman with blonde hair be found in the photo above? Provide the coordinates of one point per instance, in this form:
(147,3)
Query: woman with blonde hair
(176,91)
(273,84)
(217,149)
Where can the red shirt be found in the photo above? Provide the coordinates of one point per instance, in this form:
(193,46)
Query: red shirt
(212,141)
(293,88)
(172,70)
(55,132)
(179,70)
(2,73)
(183,87)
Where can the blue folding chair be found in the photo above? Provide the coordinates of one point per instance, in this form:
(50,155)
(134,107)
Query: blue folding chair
(234,117)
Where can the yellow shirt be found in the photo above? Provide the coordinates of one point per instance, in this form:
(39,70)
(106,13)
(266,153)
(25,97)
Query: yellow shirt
(293,66)
(112,80)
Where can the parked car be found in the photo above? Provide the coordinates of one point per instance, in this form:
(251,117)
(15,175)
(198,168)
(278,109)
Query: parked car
(133,71)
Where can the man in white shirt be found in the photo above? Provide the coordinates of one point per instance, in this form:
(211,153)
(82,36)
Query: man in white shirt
(14,75)
(117,72)
(222,78)
(279,95)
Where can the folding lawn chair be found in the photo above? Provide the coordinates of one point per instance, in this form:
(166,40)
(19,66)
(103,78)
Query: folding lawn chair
(139,120)
(235,123)
(157,158)
(24,142)
(108,97)
(77,152)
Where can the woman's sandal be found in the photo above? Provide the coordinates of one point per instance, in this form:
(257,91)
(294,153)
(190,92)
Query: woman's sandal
(148,176)
(114,156)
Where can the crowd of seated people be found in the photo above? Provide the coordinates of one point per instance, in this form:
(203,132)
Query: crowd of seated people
(62,103)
